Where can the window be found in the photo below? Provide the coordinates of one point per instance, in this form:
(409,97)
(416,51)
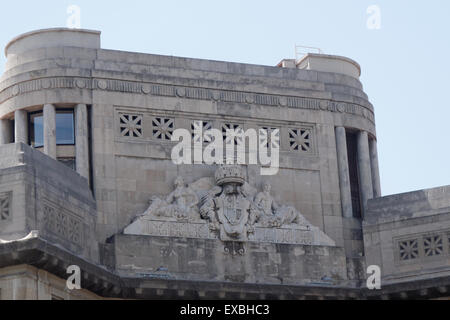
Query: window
(65,132)
(353,173)
(37,130)
(65,128)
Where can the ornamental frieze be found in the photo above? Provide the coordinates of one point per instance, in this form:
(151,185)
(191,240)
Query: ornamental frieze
(185,93)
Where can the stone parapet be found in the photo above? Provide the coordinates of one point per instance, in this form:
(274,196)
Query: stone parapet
(40,194)
(408,235)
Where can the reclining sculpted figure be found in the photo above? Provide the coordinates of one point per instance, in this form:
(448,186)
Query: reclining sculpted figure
(180,204)
(273,215)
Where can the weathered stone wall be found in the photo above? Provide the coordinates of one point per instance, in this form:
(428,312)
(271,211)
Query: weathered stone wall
(243,262)
(131,99)
(408,235)
(24,282)
(39,193)
(128,168)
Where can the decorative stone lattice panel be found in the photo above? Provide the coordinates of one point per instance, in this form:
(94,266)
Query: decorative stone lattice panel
(63,223)
(232,126)
(409,249)
(163,128)
(423,247)
(49,220)
(433,245)
(203,126)
(300,139)
(448,242)
(130,125)
(5,206)
(265,137)
(75,231)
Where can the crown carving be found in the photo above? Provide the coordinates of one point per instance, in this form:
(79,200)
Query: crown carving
(230,174)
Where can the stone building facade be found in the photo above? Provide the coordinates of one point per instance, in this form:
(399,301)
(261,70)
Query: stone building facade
(87,178)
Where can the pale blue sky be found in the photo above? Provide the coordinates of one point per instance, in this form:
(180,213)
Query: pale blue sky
(405,64)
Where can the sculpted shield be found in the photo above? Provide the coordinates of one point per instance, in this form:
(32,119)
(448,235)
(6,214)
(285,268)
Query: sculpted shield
(233,215)
(232,211)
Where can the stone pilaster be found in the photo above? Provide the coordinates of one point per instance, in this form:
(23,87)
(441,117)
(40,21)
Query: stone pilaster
(365,172)
(81,138)
(21,126)
(375,168)
(344,175)
(50,130)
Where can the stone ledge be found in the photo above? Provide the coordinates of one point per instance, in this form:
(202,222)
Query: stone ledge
(107,283)
(200,230)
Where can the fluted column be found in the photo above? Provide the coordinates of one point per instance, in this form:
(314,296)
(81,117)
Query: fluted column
(344,175)
(50,130)
(81,138)
(365,173)
(5,131)
(375,168)
(21,126)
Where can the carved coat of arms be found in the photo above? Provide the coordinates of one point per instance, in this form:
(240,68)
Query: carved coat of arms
(231,207)
(233,211)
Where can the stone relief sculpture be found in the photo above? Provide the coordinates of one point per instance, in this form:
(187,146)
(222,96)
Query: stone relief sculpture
(274,215)
(180,204)
(228,204)
(228,209)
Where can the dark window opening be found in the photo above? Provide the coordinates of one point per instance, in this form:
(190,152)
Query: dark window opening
(9,131)
(353,171)
(91,170)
